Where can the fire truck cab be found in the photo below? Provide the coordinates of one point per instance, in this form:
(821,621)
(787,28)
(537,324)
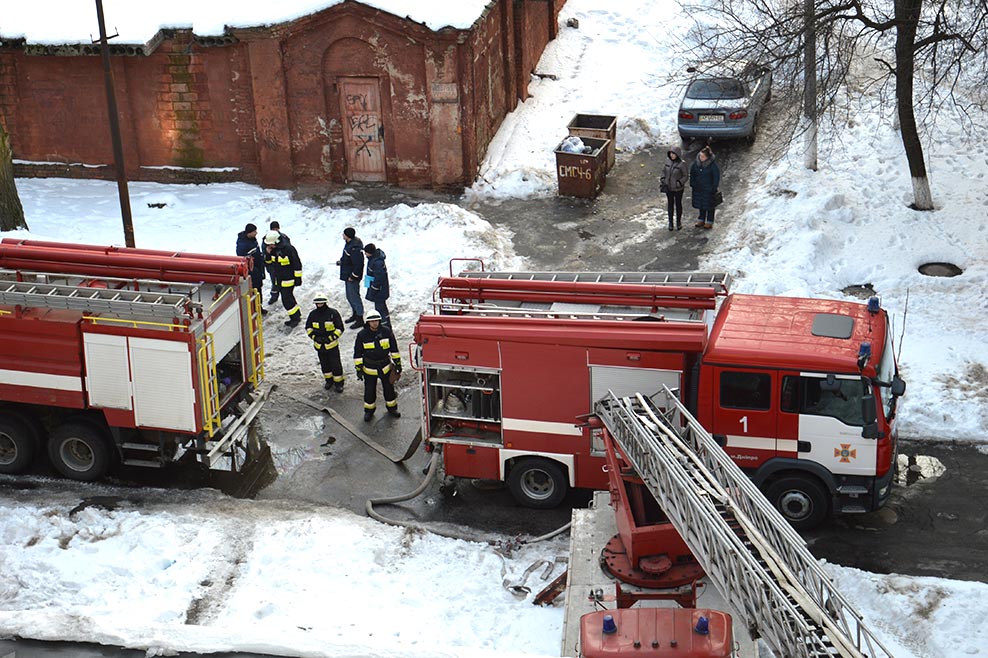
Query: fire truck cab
(801,393)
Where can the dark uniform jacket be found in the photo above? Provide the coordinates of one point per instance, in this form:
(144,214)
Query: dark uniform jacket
(376,268)
(324,326)
(352,260)
(375,351)
(249,247)
(286,265)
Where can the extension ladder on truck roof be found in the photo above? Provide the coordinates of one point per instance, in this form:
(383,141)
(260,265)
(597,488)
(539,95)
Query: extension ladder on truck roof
(756,560)
(139,299)
(584,295)
(717,280)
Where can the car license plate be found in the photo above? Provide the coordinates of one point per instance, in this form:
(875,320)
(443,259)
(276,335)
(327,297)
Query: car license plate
(711,118)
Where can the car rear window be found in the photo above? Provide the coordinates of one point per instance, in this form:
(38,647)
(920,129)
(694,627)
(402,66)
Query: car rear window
(715,88)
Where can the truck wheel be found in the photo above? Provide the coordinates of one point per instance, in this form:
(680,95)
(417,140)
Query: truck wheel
(538,483)
(79,450)
(17,444)
(801,500)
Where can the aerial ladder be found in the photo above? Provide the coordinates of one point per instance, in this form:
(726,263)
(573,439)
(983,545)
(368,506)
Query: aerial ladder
(748,551)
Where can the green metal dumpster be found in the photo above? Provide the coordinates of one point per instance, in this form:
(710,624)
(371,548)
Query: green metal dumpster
(582,174)
(597,126)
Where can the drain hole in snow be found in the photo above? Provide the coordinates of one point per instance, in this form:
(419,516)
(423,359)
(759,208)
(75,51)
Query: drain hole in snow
(940,269)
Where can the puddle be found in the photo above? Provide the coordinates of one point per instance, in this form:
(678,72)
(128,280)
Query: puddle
(917,468)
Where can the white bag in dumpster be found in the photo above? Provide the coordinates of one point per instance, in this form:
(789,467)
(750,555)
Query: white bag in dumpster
(572,144)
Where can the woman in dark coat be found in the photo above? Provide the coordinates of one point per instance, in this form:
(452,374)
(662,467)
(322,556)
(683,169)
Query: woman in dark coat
(705,181)
(378,289)
(673,182)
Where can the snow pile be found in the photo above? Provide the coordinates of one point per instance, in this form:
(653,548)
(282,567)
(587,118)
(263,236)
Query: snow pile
(215,574)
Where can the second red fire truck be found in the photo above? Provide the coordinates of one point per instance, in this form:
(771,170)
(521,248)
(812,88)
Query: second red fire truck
(801,393)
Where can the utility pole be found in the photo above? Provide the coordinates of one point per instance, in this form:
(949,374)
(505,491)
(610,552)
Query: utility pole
(809,84)
(118,156)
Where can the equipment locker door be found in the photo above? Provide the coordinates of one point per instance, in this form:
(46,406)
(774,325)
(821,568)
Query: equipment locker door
(164,395)
(107,371)
(628,381)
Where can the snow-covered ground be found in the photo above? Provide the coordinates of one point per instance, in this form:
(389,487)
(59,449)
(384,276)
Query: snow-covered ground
(203,572)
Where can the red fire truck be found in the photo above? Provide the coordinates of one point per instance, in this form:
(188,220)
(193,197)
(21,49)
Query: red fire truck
(801,393)
(135,356)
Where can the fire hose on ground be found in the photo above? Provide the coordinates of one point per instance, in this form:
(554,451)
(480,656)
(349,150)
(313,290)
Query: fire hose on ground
(429,475)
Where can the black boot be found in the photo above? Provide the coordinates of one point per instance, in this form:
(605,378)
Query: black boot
(368,414)
(339,387)
(394,412)
(353,316)
(273,298)
(670,225)
(358,322)
(293,320)
(328,385)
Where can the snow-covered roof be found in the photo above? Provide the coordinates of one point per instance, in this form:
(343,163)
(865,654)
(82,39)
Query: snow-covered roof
(74,21)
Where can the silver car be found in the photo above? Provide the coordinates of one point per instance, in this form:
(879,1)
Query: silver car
(725,104)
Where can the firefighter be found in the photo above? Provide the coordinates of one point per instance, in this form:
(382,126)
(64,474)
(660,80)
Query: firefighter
(272,268)
(288,273)
(375,354)
(324,326)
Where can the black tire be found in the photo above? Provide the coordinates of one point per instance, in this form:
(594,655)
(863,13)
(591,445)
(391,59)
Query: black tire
(538,483)
(18,444)
(80,451)
(801,500)
(750,139)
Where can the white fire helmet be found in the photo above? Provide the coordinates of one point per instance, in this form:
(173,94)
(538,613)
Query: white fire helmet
(320,298)
(372,315)
(272,237)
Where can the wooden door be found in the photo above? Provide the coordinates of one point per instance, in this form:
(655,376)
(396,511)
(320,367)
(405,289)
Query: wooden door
(363,131)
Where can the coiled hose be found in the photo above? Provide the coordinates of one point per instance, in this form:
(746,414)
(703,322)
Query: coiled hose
(429,475)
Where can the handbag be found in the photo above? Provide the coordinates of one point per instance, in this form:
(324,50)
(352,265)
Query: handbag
(663,187)
(394,376)
(718,197)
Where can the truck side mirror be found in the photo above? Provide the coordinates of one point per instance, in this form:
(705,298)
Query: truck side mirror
(898,386)
(870,429)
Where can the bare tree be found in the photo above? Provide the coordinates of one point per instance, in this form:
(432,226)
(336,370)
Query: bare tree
(11,211)
(935,38)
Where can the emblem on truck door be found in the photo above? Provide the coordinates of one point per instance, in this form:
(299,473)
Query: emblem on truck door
(846,453)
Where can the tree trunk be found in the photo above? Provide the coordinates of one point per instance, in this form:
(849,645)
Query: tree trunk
(907,14)
(11,211)
(809,84)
